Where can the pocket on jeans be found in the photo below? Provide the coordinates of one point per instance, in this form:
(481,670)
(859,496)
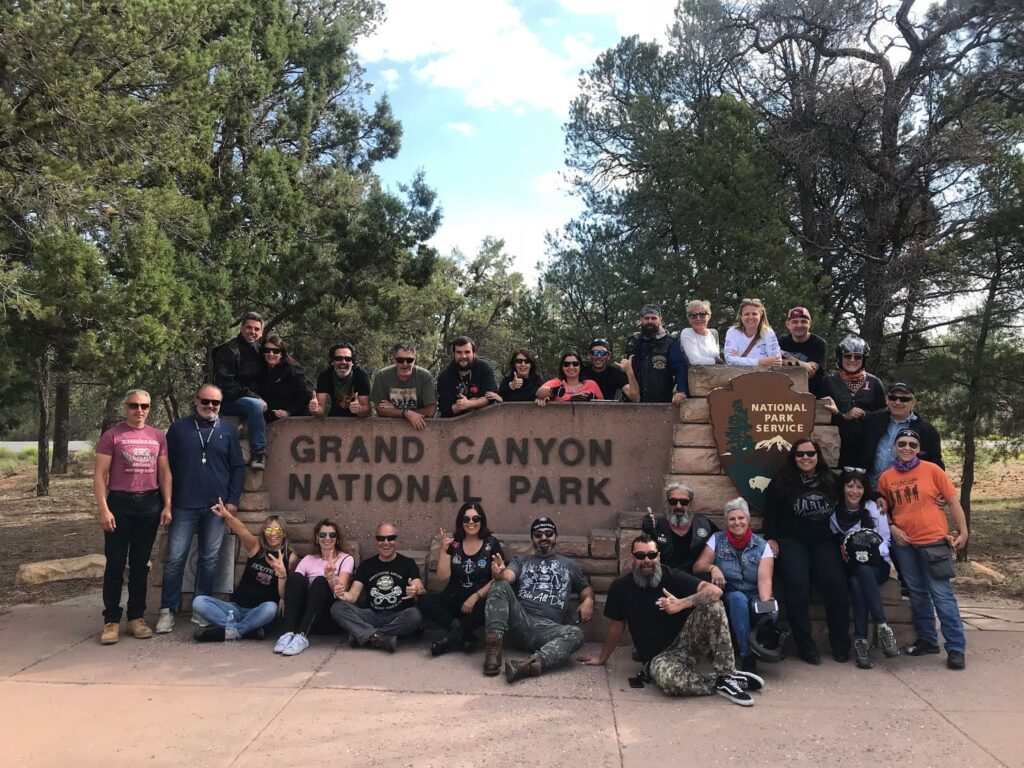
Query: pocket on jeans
(939,559)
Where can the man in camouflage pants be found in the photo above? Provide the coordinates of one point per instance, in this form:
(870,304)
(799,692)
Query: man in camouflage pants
(675,620)
(532,610)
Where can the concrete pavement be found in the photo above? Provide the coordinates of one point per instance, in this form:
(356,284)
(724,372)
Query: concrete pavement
(66,700)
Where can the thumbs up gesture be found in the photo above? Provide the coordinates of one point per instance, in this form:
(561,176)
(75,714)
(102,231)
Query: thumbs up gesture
(516,382)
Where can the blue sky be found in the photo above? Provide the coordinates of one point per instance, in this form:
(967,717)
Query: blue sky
(482,88)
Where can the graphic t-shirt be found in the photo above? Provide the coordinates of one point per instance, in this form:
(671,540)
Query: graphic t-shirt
(451,385)
(343,391)
(913,501)
(610,380)
(258,583)
(813,350)
(312,566)
(651,628)
(585,390)
(133,457)
(470,572)
(417,392)
(543,584)
(384,584)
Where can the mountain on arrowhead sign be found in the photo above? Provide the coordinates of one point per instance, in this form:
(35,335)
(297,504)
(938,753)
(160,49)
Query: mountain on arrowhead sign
(755,419)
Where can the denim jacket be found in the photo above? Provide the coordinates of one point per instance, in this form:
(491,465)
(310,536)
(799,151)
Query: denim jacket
(739,569)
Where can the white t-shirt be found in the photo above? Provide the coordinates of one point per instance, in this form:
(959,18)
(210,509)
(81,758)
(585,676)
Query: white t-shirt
(736,341)
(712,545)
(700,350)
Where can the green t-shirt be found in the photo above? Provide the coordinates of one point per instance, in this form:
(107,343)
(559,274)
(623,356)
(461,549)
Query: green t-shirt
(417,392)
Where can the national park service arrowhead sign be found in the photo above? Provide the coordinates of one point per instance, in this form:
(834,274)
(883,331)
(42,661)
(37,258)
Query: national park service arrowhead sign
(755,419)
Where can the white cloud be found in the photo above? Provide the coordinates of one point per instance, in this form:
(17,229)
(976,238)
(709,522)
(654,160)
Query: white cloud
(390,78)
(649,19)
(466,129)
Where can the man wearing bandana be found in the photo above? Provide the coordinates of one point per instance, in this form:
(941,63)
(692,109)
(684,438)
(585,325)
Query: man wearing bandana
(680,534)
(657,360)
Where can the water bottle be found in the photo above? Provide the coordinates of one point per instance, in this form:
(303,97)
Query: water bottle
(229,624)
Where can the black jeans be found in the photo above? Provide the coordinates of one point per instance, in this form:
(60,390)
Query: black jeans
(137,517)
(307,606)
(802,564)
(442,608)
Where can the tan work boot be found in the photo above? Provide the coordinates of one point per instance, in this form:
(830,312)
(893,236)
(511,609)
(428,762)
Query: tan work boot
(521,669)
(111,630)
(140,629)
(492,661)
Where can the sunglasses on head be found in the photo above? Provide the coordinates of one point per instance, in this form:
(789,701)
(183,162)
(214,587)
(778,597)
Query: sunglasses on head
(138,406)
(342,358)
(571,364)
(271,351)
(907,444)
(471,518)
(901,398)
(855,470)
(209,401)
(805,454)
(270,530)
(391,537)
(327,535)
(678,502)
(645,555)
(599,353)
(695,315)
(405,360)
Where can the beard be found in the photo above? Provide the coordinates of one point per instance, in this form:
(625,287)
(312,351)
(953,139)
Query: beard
(649,332)
(544,548)
(647,582)
(680,519)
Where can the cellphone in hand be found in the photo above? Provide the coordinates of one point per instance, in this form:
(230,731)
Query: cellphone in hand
(766,606)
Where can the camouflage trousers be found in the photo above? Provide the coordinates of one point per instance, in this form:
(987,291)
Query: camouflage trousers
(706,632)
(549,641)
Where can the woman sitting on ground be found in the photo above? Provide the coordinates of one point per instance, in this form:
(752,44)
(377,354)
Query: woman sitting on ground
(283,384)
(317,581)
(522,380)
(741,563)
(568,387)
(863,535)
(751,341)
(464,561)
(259,593)
(700,342)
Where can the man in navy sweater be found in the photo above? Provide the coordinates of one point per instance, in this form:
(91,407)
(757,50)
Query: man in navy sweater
(206,464)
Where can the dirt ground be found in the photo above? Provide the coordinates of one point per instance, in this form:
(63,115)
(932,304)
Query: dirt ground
(64,525)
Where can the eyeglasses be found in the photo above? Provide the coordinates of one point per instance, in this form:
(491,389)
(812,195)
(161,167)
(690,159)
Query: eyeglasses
(342,358)
(805,454)
(522,361)
(695,315)
(900,398)
(645,555)
(472,519)
(852,356)
(906,444)
(405,360)
(677,502)
(391,537)
(208,401)
(138,406)
(271,351)
(327,535)
(270,530)
(571,364)
(599,353)
(543,535)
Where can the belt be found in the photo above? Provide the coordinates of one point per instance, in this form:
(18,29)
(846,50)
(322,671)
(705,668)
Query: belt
(141,496)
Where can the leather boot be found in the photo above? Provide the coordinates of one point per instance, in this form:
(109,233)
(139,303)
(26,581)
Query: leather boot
(449,642)
(521,669)
(492,661)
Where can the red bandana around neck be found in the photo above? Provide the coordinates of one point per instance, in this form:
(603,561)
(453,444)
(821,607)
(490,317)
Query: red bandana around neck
(741,542)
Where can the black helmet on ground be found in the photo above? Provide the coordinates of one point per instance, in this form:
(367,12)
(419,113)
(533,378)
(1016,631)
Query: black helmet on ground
(767,641)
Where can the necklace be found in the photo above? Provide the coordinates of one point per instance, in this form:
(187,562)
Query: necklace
(203,443)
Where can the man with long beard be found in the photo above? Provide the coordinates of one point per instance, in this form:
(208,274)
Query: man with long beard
(675,620)
(680,534)
(531,613)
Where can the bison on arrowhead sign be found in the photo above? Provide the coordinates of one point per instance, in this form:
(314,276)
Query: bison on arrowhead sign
(755,419)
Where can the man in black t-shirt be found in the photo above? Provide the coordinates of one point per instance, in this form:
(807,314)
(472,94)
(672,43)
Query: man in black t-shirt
(803,348)
(391,583)
(467,383)
(343,389)
(675,620)
(599,368)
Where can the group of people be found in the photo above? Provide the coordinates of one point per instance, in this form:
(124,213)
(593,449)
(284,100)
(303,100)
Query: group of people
(693,590)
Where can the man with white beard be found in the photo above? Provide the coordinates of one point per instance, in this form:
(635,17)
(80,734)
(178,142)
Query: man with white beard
(680,534)
(676,620)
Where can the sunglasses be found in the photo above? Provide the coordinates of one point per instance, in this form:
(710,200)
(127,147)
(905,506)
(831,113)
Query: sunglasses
(852,357)
(271,530)
(571,364)
(271,351)
(522,361)
(695,315)
(805,454)
(543,535)
(900,398)
(906,444)
(342,359)
(139,406)
(392,537)
(645,555)
(678,502)
(208,401)
(599,353)
(327,535)
(472,519)
(405,360)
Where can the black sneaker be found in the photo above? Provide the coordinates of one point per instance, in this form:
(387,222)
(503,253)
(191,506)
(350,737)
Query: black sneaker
(862,653)
(956,660)
(728,688)
(920,648)
(258,461)
(840,657)
(748,681)
(209,635)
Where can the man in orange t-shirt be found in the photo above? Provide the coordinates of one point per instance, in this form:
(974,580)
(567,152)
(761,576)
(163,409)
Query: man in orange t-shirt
(912,489)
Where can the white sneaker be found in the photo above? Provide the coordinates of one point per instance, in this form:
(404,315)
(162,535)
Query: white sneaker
(166,621)
(282,642)
(197,619)
(298,644)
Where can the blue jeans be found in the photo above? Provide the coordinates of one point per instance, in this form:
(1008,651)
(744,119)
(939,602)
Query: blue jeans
(185,521)
(865,596)
(738,607)
(246,619)
(928,597)
(252,409)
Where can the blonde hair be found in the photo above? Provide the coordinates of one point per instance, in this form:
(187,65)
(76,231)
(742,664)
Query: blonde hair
(761,326)
(698,304)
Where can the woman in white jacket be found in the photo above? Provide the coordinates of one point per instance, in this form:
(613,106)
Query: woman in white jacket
(752,341)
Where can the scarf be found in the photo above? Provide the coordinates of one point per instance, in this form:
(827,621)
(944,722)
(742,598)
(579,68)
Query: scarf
(847,518)
(740,543)
(907,466)
(854,381)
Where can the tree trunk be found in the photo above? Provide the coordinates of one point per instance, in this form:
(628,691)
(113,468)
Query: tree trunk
(111,415)
(61,425)
(43,433)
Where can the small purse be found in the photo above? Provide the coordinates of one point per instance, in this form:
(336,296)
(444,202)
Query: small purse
(939,558)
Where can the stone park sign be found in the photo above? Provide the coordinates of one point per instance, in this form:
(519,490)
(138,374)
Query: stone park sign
(581,464)
(755,419)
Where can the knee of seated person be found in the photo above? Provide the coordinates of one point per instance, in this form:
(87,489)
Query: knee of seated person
(575,634)
(497,587)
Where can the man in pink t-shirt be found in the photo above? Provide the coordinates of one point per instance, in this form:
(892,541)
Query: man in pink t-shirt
(132,486)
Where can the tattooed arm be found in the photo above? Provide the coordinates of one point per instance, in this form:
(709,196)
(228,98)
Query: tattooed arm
(706,593)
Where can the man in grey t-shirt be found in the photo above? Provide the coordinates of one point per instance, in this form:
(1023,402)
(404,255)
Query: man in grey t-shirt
(404,390)
(532,611)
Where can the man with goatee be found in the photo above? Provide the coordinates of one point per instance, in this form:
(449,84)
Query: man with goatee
(680,534)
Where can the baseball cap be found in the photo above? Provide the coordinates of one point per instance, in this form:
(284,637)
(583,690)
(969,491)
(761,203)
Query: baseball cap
(798,312)
(900,385)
